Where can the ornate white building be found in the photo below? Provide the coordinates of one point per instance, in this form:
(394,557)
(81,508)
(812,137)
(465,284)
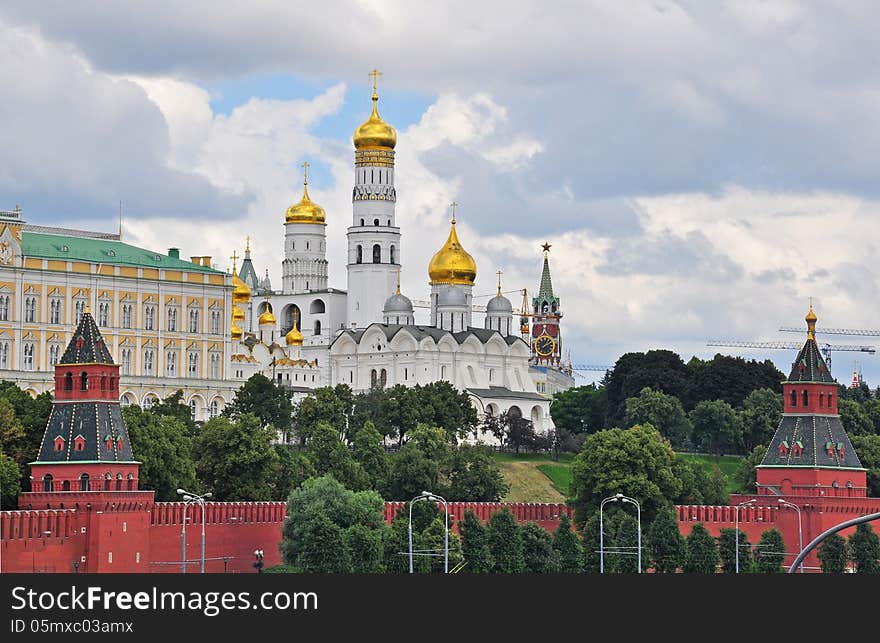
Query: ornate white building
(179,324)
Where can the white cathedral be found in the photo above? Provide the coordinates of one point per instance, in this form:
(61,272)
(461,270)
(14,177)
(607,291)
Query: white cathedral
(308,335)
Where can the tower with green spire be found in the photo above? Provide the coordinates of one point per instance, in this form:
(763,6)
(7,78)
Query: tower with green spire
(546,335)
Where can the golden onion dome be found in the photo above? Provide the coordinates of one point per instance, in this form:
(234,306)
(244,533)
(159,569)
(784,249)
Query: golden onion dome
(241,292)
(267,317)
(452,264)
(374,133)
(235,332)
(811,316)
(306,211)
(294,337)
(237,314)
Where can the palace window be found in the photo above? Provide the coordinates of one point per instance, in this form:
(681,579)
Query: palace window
(171,324)
(171,364)
(214,372)
(149,317)
(214,409)
(215,322)
(4,355)
(28,356)
(4,307)
(30,309)
(103,313)
(79,309)
(192,364)
(54,354)
(54,311)
(193,320)
(149,361)
(126,361)
(126,315)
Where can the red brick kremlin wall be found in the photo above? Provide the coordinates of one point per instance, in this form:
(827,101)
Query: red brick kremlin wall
(116,534)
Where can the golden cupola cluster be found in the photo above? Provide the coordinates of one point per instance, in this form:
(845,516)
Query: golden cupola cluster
(267,317)
(241,294)
(294,337)
(306,211)
(374,133)
(452,264)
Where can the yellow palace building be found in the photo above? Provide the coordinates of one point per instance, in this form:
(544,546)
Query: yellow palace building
(165,320)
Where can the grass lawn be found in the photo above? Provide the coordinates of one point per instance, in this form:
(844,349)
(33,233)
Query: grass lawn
(559,474)
(535,477)
(728,465)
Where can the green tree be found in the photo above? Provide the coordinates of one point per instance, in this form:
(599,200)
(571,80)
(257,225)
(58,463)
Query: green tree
(569,550)
(32,414)
(403,411)
(262,397)
(717,427)
(745,476)
(621,542)
(505,543)
(864,547)
(294,468)
(10,481)
(637,461)
(660,370)
(833,554)
(365,549)
(235,459)
(331,406)
(727,550)
(730,379)
(326,498)
(700,485)
(432,539)
(162,445)
(663,412)
(370,454)
(538,552)
(411,473)
(446,407)
(474,476)
(324,549)
(665,544)
(872,410)
(760,416)
(868,449)
(330,456)
(855,418)
(580,409)
(770,552)
(173,406)
(591,544)
(475,545)
(12,436)
(395,546)
(702,552)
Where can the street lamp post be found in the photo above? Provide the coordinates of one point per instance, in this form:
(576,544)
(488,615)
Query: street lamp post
(619,497)
(258,563)
(736,521)
(785,503)
(427,495)
(188,496)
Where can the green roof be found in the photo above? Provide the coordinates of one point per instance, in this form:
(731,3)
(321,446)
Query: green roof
(68,248)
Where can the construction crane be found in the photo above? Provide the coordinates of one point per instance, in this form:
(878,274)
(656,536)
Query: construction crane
(834,331)
(578,370)
(826,349)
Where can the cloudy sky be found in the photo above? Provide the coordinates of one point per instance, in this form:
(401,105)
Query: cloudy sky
(701,168)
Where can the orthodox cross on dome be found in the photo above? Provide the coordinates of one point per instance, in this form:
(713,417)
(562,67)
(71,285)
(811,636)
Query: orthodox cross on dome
(375,76)
(247,244)
(398,281)
(234,258)
(499,273)
(305,167)
(453,205)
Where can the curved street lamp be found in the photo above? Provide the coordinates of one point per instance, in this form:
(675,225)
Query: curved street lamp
(427,495)
(618,497)
(736,521)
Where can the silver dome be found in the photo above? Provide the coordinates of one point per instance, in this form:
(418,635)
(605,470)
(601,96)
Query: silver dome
(398,303)
(499,304)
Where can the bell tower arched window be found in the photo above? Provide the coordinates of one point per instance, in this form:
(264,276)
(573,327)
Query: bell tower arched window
(793,396)
(360,255)
(377,253)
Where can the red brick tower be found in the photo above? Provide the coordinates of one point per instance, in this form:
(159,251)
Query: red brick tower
(810,453)
(85,446)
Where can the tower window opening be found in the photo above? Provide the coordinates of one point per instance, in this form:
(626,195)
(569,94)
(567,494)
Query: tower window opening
(360,255)
(793,397)
(375,222)
(68,381)
(821,399)
(806,398)
(362,222)
(377,253)
(47,482)
(391,255)
(84,381)
(84,482)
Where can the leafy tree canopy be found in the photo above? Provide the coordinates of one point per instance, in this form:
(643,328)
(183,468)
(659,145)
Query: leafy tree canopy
(581,409)
(161,443)
(263,398)
(663,412)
